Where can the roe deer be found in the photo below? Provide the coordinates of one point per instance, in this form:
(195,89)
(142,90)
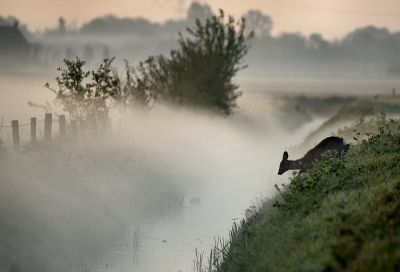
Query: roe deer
(305,163)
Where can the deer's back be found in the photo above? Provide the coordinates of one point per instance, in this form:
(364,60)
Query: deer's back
(330,143)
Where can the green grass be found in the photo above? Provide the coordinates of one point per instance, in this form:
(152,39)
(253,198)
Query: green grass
(344,215)
(362,110)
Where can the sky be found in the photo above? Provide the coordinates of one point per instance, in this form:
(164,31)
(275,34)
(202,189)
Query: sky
(332,18)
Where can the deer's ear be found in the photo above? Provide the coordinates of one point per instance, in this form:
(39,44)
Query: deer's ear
(285,156)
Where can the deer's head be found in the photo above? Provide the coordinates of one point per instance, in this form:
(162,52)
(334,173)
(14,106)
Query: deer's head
(285,164)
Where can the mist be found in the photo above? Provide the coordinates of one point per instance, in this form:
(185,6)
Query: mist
(365,52)
(167,180)
(63,206)
(75,206)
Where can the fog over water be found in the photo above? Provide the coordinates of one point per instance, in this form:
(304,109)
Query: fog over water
(70,204)
(169,180)
(77,206)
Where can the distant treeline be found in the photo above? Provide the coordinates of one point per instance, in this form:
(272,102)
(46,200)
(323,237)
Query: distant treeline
(368,50)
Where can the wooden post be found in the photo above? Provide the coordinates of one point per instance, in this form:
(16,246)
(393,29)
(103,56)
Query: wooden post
(74,130)
(109,127)
(93,128)
(106,128)
(82,127)
(48,122)
(15,131)
(119,125)
(33,130)
(61,127)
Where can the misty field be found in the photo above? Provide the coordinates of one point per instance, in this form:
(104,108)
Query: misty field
(131,144)
(76,206)
(64,205)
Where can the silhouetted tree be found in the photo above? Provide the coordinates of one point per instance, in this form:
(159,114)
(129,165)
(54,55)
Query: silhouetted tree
(61,26)
(88,101)
(112,25)
(200,72)
(259,23)
(198,11)
(132,91)
(317,41)
(371,44)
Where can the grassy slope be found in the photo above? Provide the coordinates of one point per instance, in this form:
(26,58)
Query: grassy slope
(361,109)
(298,110)
(342,216)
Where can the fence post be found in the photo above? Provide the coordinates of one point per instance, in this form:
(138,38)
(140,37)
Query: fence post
(74,130)
(109,127)
(15,131)
(48,121)
(106,128)
(82,128)
(61,127)
(33,130)
(119,125)
(93,128)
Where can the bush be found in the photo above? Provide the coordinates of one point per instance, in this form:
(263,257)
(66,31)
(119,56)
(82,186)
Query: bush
(199,73)
(86,102)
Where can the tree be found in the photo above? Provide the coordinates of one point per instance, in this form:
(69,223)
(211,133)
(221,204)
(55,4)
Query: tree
(61,26)
(198,11)
(200,72)
(261,24)
(132,91)
(85,102)
(318,42)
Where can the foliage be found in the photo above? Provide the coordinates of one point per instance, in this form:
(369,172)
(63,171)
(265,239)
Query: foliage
(365,126)
(343,215)
(86,102)
(364,110)
(260,23)
(200,72)
(132,91)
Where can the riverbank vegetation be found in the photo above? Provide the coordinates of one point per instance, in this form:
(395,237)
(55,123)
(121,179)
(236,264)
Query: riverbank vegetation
(359,115)
(341,216)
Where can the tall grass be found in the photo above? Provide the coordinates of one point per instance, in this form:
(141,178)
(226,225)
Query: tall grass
(343,215)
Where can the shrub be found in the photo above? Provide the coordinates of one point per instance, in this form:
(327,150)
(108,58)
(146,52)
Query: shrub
(132,91)
(199,73)
(85,102)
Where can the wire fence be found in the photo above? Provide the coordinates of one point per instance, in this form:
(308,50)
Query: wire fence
(47,130)
(17,135)
(6,133)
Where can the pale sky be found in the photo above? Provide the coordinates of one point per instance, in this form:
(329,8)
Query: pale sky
(331,18)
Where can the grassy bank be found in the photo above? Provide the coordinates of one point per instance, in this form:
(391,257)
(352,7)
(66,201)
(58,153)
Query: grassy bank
(344,215)
(361,110)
